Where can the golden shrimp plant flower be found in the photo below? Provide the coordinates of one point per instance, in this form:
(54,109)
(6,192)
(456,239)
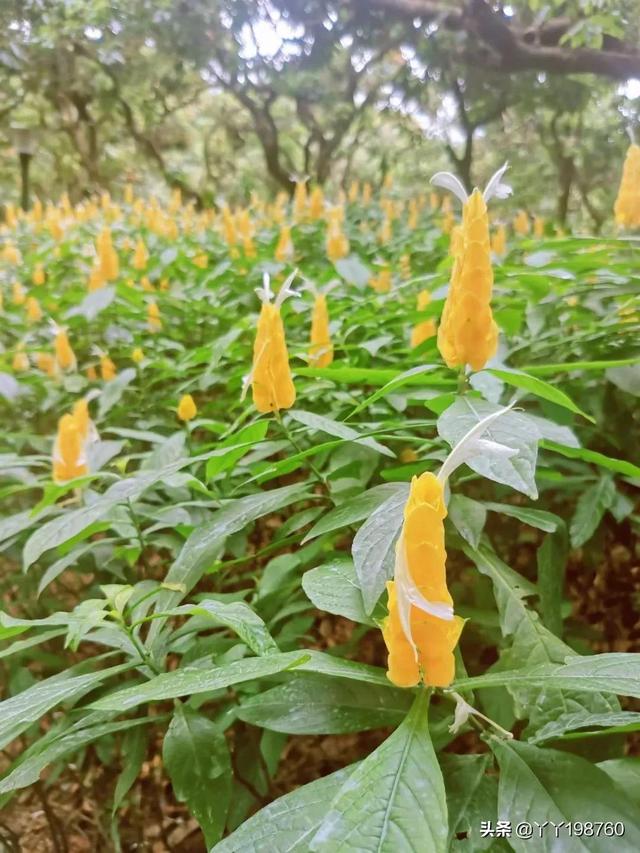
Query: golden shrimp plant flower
(65,356)
(187,409)
(425,329)
(627,204)
(421,630)
(270,378)
(321,350)
(468,334)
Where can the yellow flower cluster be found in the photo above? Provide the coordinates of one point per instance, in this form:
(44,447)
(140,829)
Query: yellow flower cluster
(75,431)
(627,204)
(321,351)
(468,333)
(423,557)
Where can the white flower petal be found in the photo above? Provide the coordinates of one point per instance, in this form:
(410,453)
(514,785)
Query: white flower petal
(483,445)
(449,182)
(468,444)
(286,290)
(495,187)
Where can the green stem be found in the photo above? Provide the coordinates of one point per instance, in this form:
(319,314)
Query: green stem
(318,474)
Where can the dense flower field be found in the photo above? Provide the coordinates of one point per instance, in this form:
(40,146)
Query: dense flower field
(201,408)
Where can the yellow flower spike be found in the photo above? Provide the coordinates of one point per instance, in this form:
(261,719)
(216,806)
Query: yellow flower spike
(69,456)
(38,276)
(248,247)
(337,243)
(408,455)
(96,279)
(321,351)
(11,254)
(201,260)
(521,223)
(108,263)
(187,409)
(10,216)
(46,363)
(140,256)
(434,201)
(18,293)
(154,323)
(270,378)
(414,212)
(83,420)
(316,203)
(405,267)
(382,282)
(92,373)
(499,241)
(34,311)
(229,227)
(421,631)
(37,211)
(107,368)
(137,355)
(468,334)
(366,193)
(385,234)
(300,201)
(426,328)
(145,283)
(128,194)
(65,356)
(354,191)
(627,204)
(20,361)
(284,247)
(538,226)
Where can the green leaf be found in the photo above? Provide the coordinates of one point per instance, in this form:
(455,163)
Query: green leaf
(71,523)
(538,518)
(472,797)
(18,712)
(113,391)
(309,704)
(192,680)
(47,751)
(399,380)
(591,507)
(289,822)
(204,544)
(238,444)
(551,558)
(468,517)
(242,619)
(353,271)
(607,673)
(374,546)
(557,728)
(196,756)
(395,798)
(625,773)
(134,750)
(333,587)
(557,787)
(355,509)
(539,387)
(619,466)
(337,429)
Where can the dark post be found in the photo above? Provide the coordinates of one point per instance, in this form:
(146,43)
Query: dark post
(25,160)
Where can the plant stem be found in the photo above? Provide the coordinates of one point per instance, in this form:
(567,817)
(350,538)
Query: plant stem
(318,474)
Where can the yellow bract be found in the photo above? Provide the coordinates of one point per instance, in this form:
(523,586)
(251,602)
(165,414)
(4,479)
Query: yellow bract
(65,356)
(34,312)
(154,323)
(284,247)
(435,639)
(468,333)
(107,368)
(140,256)
(321,351)
(627,205)
(38,276)
(426,328)
(187,408)
(69,459)
(271,382)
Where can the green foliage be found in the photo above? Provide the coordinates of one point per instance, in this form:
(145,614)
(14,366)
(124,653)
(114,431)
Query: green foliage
(179,589)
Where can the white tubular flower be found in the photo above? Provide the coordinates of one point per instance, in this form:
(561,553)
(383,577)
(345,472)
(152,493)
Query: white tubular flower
(472,444)
(494,187)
